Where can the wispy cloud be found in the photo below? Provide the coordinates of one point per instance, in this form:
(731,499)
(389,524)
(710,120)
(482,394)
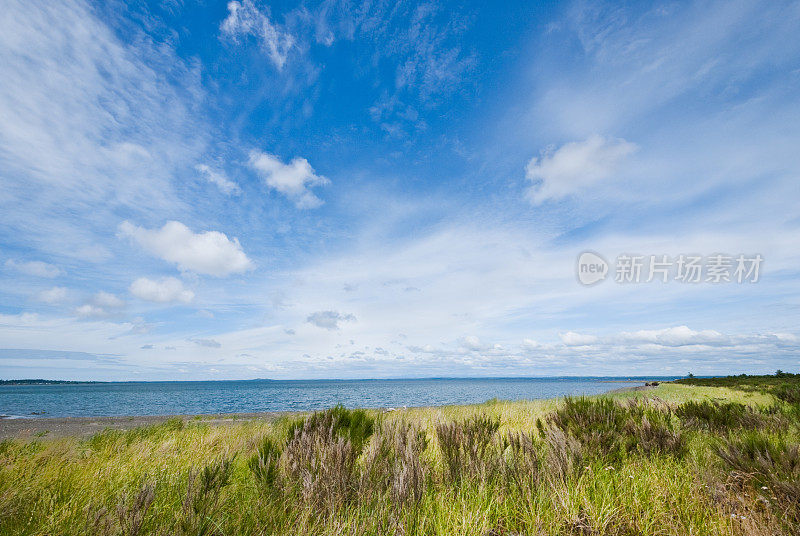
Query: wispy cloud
(246,19)
(53,295)
(89,124)
(218,179)
(34,268)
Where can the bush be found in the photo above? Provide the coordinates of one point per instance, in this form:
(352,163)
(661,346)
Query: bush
(354,425)
(564,456)
(714,416)
(608,429)
(393,464)
(203,496)
(265,463)
(654,433)
(769,463)
(788,393)
(320,458)
(466,446)
(521,465)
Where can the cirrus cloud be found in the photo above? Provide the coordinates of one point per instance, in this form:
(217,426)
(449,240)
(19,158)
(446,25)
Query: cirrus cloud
(216,177)
(244,19)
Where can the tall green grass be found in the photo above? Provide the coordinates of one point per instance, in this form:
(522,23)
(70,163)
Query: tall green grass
(612,465)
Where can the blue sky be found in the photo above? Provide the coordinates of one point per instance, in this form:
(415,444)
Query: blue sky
(213,190)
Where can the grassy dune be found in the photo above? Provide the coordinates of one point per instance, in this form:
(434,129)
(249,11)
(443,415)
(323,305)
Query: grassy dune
(676,459)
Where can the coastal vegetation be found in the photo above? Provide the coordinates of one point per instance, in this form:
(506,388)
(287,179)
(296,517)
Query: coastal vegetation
(696,457)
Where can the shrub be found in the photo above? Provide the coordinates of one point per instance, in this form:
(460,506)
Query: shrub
(521,465)
(564,456)
(608,429)
(653,432)
(265,463)
(466,446)
(788,393)
(393,464)
(714,416)
(596,423)
(203,496)
(355,425)
(320,461)
(128,517)
(769,463)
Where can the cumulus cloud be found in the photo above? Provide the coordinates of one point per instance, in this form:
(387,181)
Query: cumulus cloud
(530,344)
(101,305)
(472,343)
(164,290)
(89,310)
(53,296)
(34,268)
(292,180)
(245,19)
(216,177)
(571,338)
(676,336)
(208,252)
(575,166)
(329,319)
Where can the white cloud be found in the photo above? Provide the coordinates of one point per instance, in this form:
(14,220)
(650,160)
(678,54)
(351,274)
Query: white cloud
(53,296)
(216,177)
(244,18)
(292,180)
(101,305)
(575,166)
(675,336)
(472,342)
(88,310)
(165,290)
(208,252)
(530,344)
(107,300)
(571,338)
(35,268)
(329,319)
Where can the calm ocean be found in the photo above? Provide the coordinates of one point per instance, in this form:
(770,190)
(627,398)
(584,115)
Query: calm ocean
(208,397)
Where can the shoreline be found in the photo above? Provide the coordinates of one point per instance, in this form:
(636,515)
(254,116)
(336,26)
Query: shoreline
(58,427)
(81,427)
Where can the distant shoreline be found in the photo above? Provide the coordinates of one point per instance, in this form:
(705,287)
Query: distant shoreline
(607,379)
